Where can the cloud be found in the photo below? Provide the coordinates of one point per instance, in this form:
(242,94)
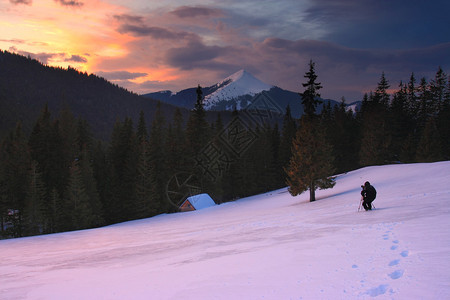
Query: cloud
(126,18)
(346,71)
(76,58)
(197,55)
(121,75)
(45,57)
(153,32)
(26,2)
(195,12)
(72,3)
(373,24)
(42,57)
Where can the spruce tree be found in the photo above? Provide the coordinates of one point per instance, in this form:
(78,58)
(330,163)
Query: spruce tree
(310,97)
(381,95)
(16,165)
(401,122)
(157,156)
(437,89)
(78,200)
(425,106)
(34,205)
(342,130)
(311,164)
(287,136)
(429,147)
(375,128)
(142,134)
(197,127)
(444,123)
(122,158)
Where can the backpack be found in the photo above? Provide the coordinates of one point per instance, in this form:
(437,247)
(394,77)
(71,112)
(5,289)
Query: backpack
(371,193)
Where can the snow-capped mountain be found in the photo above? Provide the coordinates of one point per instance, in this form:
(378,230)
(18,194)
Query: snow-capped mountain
(232,88)
(236,91)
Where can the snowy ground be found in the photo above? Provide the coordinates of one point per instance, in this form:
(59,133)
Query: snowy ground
(271,246)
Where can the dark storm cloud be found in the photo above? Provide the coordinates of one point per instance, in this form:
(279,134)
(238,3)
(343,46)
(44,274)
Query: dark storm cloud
(76,58)
(27,2)
(195,12)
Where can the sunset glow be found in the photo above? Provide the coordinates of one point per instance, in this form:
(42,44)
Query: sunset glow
(179,44)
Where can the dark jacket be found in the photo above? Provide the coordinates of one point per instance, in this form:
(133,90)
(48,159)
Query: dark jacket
(369,193)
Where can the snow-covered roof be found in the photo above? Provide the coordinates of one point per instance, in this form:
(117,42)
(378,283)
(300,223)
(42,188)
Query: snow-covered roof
(200,201)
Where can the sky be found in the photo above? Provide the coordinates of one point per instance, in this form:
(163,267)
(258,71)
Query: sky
(147,46)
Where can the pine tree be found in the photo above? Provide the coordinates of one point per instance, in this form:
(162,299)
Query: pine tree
(101,175)
(411,96)
(381,95)
(144,183)
(401,122)
(142,134)
(287,136)
(429,148)
(78,200)
(342,130)
(3,195)
(444,123)
(425,106)
(90,184)
(157,156)
(310,97)
(128,182)
(197,127)
(437,88)
(375,127)
(16,163)
(34,205)
(143,180)
(176,145)
(311,165)
(121,187)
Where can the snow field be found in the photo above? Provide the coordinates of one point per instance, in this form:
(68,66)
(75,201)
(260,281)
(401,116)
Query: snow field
(269,246)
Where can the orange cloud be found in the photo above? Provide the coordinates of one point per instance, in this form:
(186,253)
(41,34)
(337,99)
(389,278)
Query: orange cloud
(74,34)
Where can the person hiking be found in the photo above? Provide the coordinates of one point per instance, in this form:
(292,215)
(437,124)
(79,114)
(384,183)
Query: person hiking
(368,194)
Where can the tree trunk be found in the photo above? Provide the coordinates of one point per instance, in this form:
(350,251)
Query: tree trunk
(312,192)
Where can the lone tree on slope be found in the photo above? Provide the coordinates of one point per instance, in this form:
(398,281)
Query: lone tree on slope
(311,162)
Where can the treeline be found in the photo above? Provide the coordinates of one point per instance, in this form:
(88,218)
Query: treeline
(59,178)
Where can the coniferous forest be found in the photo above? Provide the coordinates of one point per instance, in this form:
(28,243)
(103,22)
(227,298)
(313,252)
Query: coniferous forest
(60,176)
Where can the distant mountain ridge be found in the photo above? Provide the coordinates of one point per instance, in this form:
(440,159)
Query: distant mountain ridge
(237,91)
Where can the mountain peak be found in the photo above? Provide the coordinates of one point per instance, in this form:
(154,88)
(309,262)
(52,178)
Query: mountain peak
(234,86)
(238,75)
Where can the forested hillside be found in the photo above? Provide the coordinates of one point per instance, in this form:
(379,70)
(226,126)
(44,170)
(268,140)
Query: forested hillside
(26,86)
(57,176)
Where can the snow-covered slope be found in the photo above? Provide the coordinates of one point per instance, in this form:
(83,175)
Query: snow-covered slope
(239,84)
(270,246)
